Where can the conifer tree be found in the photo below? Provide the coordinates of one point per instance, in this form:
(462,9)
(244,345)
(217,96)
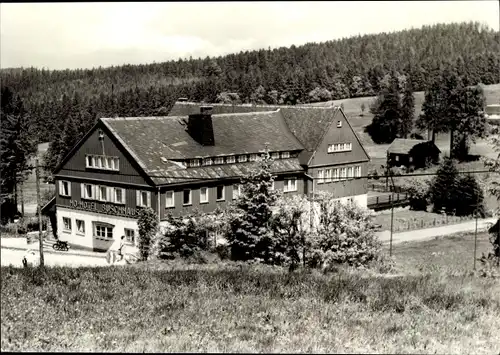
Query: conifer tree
(387,113)
(407,110)
(250,234)
(470,197)
(444,187)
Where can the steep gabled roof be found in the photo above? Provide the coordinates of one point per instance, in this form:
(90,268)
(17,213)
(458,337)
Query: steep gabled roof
(157,142)
(404,146)
(307,123)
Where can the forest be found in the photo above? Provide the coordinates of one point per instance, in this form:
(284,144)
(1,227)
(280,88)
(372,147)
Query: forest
(61,105)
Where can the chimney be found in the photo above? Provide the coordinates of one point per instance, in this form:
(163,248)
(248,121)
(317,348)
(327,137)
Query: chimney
(182,99)
(199,126)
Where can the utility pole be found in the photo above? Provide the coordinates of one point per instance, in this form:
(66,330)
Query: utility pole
(475,233)
(22,198)
(39,209)
(392,215)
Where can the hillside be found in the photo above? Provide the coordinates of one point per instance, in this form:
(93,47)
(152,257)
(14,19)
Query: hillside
(65,103)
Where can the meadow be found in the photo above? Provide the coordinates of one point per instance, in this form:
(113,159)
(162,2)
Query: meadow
(430,303)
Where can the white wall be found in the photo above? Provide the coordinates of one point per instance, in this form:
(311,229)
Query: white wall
(88,240)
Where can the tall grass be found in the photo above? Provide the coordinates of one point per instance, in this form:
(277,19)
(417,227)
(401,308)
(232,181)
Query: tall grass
(243,308)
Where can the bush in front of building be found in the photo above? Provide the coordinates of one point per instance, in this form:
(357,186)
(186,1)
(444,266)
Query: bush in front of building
(148,227)
(345,235)
(183,237)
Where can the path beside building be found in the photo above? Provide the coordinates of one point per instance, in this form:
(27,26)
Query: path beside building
(430,233)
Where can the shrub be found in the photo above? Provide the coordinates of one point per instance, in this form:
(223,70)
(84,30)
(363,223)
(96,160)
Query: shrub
(345,235)
(418,193)
(444,187)
(148,227)
(184,237)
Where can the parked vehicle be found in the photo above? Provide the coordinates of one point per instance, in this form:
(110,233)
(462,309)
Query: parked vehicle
(61,245)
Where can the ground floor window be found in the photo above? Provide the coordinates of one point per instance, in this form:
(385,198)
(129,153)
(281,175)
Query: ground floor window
(103,230)
(290,185)
(66,224)
(130,236)
(80,226)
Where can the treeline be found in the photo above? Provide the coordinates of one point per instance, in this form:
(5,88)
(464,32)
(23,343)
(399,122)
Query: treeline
(349,67)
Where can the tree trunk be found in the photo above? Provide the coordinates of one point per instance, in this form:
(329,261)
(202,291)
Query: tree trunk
(433,136)
(451,143)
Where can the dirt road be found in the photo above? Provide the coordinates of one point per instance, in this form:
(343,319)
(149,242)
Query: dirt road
(430,233)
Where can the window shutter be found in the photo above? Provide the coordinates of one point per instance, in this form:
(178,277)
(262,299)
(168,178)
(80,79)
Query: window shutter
(149,199)
(94,188)
(82,190)
(123,196)
(138,197)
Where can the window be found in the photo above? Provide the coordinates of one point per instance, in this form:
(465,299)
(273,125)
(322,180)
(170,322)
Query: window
(290,185)
(350,172)
(219,160)
(236,191)
(80,227)
(186,197)
(410,159)
(103,193)
(242,158)
(328,175)
(397,157)
(130,236)
(335,174)
(231,159)
(194,162)
(275,155)
(207,161)
(320,176)
(103,231)
(169,202)
(343,173)
(102,162)
(253,157)
(220,193)
(357,171)
(339,147)
(204,195)
(272,186)
(67,224)
(143,198)
(119,195)
(88,191)
(339,124)
(285,155)
(65,188)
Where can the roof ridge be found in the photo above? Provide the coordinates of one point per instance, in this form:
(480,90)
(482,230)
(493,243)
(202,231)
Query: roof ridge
(192,103)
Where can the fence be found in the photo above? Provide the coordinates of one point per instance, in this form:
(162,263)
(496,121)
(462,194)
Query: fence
(407,224)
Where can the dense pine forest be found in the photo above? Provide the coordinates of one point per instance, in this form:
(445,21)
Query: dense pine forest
(63,104)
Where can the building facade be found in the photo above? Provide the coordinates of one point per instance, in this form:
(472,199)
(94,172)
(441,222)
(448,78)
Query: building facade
(194,159)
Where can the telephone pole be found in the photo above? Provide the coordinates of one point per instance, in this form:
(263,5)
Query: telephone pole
(39,209)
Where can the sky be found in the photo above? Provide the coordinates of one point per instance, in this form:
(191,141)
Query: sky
(86,35)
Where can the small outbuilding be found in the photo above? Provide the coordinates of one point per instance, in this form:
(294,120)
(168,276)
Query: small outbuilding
(412,153)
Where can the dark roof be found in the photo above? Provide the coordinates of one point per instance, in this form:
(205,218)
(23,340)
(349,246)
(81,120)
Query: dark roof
(155,141)
(404,146)
(307,123)
(179,175)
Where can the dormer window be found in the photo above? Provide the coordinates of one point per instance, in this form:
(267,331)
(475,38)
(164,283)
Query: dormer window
(102,162)
(231,159)
(207,161)
(219,160)
(242,158)
(194,162)
(275,155)
(285,155)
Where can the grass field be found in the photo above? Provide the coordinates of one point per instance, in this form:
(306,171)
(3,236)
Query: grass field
(232,308)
